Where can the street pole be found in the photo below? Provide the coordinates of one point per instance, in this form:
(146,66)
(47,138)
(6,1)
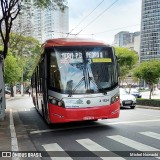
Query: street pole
(22,94)
(2,90)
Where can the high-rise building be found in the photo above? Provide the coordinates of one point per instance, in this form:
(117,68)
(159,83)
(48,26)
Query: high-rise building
(50,23)
(43,24)
(123,38)
(150,30)
(23,24)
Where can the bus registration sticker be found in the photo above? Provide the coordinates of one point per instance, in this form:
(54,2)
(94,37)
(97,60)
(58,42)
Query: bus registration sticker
(95,60)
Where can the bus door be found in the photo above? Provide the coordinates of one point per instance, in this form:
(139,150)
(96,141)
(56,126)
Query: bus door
(40,90)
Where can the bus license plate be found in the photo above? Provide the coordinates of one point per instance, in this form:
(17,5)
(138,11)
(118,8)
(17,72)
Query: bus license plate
(88,118)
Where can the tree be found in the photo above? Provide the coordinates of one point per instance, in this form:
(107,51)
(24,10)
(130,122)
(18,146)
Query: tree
(149,71)
(27,49)
(127,59)
(10,9)
(50,3)
(12,71)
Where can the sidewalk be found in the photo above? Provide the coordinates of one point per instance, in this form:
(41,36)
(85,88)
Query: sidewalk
(5,136)
(147,107)
(156,94)
(17,96)
(5,128)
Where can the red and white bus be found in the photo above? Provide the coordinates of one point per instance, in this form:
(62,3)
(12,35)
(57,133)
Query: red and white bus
(76,80)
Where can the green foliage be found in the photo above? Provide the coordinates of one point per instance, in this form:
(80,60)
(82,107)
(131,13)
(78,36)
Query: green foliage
(49,3)
(21,45)
(148,70)
(27,50)
(42,3)
(12,69)
(127,59)
(148,102)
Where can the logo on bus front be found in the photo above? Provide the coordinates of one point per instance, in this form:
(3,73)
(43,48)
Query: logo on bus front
(79,101)
(74,101)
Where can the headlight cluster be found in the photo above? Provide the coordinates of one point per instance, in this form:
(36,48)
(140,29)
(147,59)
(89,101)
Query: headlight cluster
(55,101)
(115,98)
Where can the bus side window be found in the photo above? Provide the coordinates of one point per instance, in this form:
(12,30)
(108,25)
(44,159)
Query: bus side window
(54,72)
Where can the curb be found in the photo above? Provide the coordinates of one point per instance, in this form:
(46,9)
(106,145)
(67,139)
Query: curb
(148,107)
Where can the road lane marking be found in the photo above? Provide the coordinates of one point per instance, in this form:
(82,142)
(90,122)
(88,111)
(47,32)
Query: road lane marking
(151,134)
(14,142)
(55,147)
(95,125)
(133,144)
(94,147)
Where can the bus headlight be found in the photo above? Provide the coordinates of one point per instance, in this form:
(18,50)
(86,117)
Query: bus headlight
(115,98)
(54,101)
(60,103)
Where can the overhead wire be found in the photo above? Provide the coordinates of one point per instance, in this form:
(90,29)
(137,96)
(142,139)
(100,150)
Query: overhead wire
(85,17)
(98,16)
(102,31)
(114,29)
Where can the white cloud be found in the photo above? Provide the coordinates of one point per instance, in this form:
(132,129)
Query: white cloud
(122,14)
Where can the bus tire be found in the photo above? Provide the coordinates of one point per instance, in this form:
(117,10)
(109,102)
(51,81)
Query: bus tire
(46,116)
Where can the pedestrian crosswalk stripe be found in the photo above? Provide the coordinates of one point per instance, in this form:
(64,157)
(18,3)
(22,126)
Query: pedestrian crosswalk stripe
(94,147)
(133,144)
(151,134)
(55,147)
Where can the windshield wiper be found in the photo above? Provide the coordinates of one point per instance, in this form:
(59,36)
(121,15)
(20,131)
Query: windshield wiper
(103,90)
(75,88)
(98,86)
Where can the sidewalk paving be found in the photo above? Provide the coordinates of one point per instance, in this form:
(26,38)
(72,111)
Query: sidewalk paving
(5,131)
(17,96)
(5,136)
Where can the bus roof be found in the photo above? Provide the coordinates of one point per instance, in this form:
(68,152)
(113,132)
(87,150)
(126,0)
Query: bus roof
(73,42)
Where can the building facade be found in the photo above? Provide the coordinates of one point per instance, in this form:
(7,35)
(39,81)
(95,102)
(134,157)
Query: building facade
(124,38)
(150,30)
(43,24)
(50,24)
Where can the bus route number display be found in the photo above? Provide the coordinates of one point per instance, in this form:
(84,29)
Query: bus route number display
(76,57)
(94,55)
(98,57)
(71,57)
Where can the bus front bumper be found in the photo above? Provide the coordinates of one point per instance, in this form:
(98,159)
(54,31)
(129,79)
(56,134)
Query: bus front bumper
(59,114)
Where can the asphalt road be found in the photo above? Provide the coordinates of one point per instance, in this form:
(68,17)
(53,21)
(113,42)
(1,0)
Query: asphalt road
(134,131)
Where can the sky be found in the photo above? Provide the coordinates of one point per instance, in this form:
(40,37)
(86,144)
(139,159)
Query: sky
(109,18)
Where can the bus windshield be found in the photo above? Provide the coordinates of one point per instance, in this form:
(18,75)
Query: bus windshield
(79,70)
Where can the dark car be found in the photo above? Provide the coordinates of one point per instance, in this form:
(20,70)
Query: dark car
(135,92)
(7,91)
